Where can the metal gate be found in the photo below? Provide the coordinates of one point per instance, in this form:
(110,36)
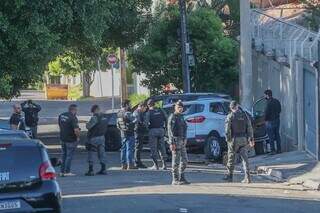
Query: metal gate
(310,112)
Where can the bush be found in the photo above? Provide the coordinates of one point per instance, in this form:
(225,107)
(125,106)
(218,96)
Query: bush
(136,98)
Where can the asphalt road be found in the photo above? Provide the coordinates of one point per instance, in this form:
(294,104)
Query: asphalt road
(150,191)
(51,109)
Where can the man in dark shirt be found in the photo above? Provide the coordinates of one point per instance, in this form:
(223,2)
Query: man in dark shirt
(69,136)
(16,120)
(272,118)
(31,111)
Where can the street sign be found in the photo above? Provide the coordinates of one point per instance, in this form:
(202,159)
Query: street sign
(112,59)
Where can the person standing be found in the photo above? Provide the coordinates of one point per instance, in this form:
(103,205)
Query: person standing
(272,118)
(69,136)
(125,123)
(239,134)
(139,133)
(17,121)
(31,111)
(177,132)
(155,120)
(97,127)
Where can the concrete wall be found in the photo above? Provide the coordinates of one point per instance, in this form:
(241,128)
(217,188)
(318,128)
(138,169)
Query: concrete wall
(269,74)
(106,83)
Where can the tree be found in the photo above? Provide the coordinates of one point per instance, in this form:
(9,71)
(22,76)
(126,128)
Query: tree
(312,17)
(33,33)
(159,56)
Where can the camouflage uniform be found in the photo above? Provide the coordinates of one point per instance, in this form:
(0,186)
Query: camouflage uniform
(238,143)
(177,132)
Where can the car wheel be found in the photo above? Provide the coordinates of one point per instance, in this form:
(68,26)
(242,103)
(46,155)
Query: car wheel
(212,148)
(112,139)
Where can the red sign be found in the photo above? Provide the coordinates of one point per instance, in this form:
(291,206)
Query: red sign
(112,59)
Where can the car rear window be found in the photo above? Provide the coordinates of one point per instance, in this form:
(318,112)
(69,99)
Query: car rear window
(19,158)
(188,109)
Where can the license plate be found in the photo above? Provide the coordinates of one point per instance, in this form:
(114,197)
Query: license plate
(10,205)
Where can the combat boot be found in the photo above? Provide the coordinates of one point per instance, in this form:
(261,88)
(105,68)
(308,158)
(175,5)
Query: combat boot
(183,180)
(228,178)
(175,180)
(247,178)
(102,170)
(124,167)
(155,165)
(90,171)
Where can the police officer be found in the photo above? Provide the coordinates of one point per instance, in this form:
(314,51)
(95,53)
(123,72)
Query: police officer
(31,111)
(69,136)
(155,120)
(239,135)
(125,123)
(16,121)
(97,127)
(139,133)
(177,132)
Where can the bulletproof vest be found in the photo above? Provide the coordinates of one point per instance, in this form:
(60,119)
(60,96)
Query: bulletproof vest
(179,126)
(239,124)
(100,128)
(157,119)
(139,126)
(124,122)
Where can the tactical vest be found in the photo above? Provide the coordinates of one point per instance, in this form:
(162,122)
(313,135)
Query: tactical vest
(239,124)
(157,119)
(100,128)
(124,123)
(179,126)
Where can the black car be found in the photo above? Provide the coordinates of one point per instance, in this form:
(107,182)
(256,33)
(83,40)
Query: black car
(27,178)
(113,139)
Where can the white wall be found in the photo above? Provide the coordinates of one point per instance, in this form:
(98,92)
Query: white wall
(106,81)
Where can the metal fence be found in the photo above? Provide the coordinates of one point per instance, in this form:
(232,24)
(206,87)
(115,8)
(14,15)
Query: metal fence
(283,40)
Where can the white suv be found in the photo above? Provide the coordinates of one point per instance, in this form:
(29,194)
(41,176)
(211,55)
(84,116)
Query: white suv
(206,124)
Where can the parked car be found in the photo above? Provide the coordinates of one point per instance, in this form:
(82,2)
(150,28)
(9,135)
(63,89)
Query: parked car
(206,125)
(4,124)
(13,134)
(113,139)
(27,185)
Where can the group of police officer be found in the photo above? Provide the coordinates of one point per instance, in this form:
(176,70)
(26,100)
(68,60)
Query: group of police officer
(148,121)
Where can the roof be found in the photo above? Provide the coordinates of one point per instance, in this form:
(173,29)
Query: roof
(202,100)
(9,131)
(22,142)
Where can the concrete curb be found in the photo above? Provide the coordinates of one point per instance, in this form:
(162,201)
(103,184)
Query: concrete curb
(311,184)
(274,174)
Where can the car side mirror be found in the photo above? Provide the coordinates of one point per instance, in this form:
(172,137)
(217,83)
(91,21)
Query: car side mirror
(55,162)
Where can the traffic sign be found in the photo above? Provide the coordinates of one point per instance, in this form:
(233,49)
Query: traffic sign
(112,59)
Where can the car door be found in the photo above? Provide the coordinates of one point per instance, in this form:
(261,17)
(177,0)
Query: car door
(216,118)
(259,126)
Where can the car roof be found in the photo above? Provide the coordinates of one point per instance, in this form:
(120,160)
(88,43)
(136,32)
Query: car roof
(201,101)
(22,142)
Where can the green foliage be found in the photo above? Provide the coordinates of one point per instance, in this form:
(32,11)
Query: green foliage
(312,18)
(75,92)
(159,57)
(136,99)
(34,33)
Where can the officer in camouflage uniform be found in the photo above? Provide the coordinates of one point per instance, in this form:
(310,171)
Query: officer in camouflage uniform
(177,132)
(239,135)
(97,127)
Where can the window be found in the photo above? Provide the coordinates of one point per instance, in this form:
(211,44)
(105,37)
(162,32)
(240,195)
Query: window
(217,108)
(226,106)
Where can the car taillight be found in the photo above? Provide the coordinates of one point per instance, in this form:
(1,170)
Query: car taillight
(47,172)
(197,119)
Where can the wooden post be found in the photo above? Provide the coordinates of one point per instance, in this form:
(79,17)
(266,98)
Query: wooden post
(124,90)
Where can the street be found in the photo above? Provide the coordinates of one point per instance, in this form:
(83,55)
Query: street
(150,191)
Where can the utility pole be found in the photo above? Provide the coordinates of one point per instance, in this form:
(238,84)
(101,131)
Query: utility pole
(124,91)
(246,95)
(184,41)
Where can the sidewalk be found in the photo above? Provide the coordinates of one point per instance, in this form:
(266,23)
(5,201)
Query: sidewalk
(295,168)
